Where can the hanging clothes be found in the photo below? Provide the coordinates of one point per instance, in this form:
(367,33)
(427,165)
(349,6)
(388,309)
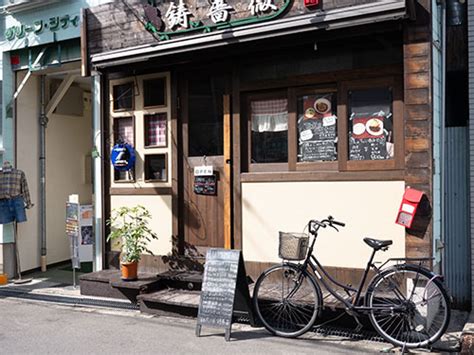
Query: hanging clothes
(14,196)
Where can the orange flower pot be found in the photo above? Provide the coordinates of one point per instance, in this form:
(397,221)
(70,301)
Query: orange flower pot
(129,271)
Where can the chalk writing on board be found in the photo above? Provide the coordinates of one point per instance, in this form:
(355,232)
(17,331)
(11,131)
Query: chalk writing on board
(317,139)
(205,185)
(224,286)
(368,148)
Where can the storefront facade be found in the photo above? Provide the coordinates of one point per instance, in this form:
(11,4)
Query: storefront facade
(302,109)
(46,124)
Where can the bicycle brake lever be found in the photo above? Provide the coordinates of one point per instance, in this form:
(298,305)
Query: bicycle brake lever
(334,227)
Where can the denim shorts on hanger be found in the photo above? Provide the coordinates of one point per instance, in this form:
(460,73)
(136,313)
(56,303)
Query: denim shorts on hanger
(12,209)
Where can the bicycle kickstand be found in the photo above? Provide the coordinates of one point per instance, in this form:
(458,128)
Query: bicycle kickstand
(359,324)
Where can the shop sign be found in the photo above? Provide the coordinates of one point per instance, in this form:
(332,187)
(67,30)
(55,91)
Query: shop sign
(123,157)
(181,18)
(203,170)
(53,24)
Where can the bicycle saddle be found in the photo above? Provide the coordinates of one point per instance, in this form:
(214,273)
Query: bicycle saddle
(377,244)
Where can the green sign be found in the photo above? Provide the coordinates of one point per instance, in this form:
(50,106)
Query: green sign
(53,24)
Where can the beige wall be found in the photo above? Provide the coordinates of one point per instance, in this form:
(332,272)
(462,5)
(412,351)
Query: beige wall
(68,143)
(161,222)
(367,208)
(27,160)
(68,140)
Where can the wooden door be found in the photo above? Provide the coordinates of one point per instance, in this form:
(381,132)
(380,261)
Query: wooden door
(205,106)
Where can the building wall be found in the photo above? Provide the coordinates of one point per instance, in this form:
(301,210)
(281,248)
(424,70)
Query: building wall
(68,145)
(368,208)
(27,153)
(161,221)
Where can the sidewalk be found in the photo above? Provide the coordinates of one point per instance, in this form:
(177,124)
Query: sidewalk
(56,287)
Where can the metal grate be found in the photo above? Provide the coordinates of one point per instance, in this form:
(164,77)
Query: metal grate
(77,301)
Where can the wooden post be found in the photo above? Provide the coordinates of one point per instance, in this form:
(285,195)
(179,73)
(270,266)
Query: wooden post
(227,174)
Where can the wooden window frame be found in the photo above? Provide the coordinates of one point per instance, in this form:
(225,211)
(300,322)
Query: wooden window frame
(114,130)
(133,83)
(165,79)
(166,168)
(262,167)
(397,163)
(145,130)
(341,88)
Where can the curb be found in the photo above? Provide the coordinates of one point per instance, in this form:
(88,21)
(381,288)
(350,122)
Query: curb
(467,336)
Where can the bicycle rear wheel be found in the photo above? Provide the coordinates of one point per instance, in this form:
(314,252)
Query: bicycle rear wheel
(411,306)
(287,300)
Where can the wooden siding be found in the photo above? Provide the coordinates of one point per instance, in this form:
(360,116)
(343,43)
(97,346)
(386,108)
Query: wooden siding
(418,119)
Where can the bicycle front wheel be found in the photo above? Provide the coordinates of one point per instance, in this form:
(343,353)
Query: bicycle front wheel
(287,300)
(410,306)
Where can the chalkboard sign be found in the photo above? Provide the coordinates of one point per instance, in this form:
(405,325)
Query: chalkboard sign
(368,148)
(224,290)
(317,139)
(205,185)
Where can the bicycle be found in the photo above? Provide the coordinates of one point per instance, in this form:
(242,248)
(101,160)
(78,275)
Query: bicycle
(407,304)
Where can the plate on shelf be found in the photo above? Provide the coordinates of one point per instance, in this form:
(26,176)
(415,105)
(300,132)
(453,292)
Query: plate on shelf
(374,126)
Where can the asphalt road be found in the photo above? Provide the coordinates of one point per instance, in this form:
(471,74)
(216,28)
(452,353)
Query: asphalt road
(28,327)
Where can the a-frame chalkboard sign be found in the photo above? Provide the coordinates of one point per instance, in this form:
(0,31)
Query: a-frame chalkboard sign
(224,290)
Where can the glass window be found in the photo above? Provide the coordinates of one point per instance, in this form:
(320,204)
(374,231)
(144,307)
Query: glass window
(269,126)
(154,91)
(123,97)
(155,167)
(317,127)
(155,130)
(123,130)
(124,133)
(371,124)
(205,115)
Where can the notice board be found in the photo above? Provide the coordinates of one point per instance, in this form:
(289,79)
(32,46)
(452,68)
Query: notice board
(224,290)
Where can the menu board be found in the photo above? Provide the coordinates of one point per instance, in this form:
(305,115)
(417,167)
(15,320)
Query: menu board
(224,283)
(205,185)
(368,141)
(317,129)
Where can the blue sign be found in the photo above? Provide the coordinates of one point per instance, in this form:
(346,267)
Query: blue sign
(123,157)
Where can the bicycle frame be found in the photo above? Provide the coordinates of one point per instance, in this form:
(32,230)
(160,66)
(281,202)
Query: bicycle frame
(312,262)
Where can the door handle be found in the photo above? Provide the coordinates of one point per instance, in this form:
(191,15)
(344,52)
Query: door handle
(228,161)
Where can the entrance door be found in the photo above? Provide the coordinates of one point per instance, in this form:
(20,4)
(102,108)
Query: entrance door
(205,120)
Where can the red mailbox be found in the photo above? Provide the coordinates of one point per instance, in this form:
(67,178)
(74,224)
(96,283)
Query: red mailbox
(311,3)
(407,210)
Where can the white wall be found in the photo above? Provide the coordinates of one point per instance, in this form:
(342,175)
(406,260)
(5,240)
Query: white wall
(68,142)
(161,222)
(369,209)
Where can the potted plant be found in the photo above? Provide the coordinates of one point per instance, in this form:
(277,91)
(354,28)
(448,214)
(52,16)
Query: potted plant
(130,227)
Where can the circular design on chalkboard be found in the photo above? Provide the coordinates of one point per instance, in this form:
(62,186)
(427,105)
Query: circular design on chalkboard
(358,129)
(309,113)
(322,106)
(374,126)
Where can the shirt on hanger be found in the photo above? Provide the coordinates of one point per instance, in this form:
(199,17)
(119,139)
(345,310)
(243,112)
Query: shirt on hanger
(13,184)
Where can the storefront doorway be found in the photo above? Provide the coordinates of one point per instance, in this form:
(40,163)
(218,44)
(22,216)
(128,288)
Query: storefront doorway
(205,129)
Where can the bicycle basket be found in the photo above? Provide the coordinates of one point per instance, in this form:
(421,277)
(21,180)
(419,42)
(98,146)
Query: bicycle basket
(293,246)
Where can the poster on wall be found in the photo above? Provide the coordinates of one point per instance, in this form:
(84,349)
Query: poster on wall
(87,233)
(317,131)
(368,141)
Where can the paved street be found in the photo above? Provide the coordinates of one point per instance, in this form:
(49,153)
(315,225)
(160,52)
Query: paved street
(28,327)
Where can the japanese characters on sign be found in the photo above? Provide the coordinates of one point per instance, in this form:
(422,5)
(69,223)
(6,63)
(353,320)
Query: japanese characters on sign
(178,15)
(54,24)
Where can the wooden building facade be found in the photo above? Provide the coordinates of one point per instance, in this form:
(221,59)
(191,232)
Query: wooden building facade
(303,109)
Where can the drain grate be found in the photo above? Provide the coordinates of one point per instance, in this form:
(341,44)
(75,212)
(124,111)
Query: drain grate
(349,333)
(76,301)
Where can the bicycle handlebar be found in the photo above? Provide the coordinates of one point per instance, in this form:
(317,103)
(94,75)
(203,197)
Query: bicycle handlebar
(330,221)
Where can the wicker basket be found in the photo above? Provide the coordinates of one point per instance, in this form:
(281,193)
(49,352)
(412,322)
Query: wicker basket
(293,246)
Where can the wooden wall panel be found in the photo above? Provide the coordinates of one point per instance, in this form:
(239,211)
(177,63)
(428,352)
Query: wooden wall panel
(418,119)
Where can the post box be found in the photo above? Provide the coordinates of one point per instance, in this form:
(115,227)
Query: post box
(406,212)
(311,3)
